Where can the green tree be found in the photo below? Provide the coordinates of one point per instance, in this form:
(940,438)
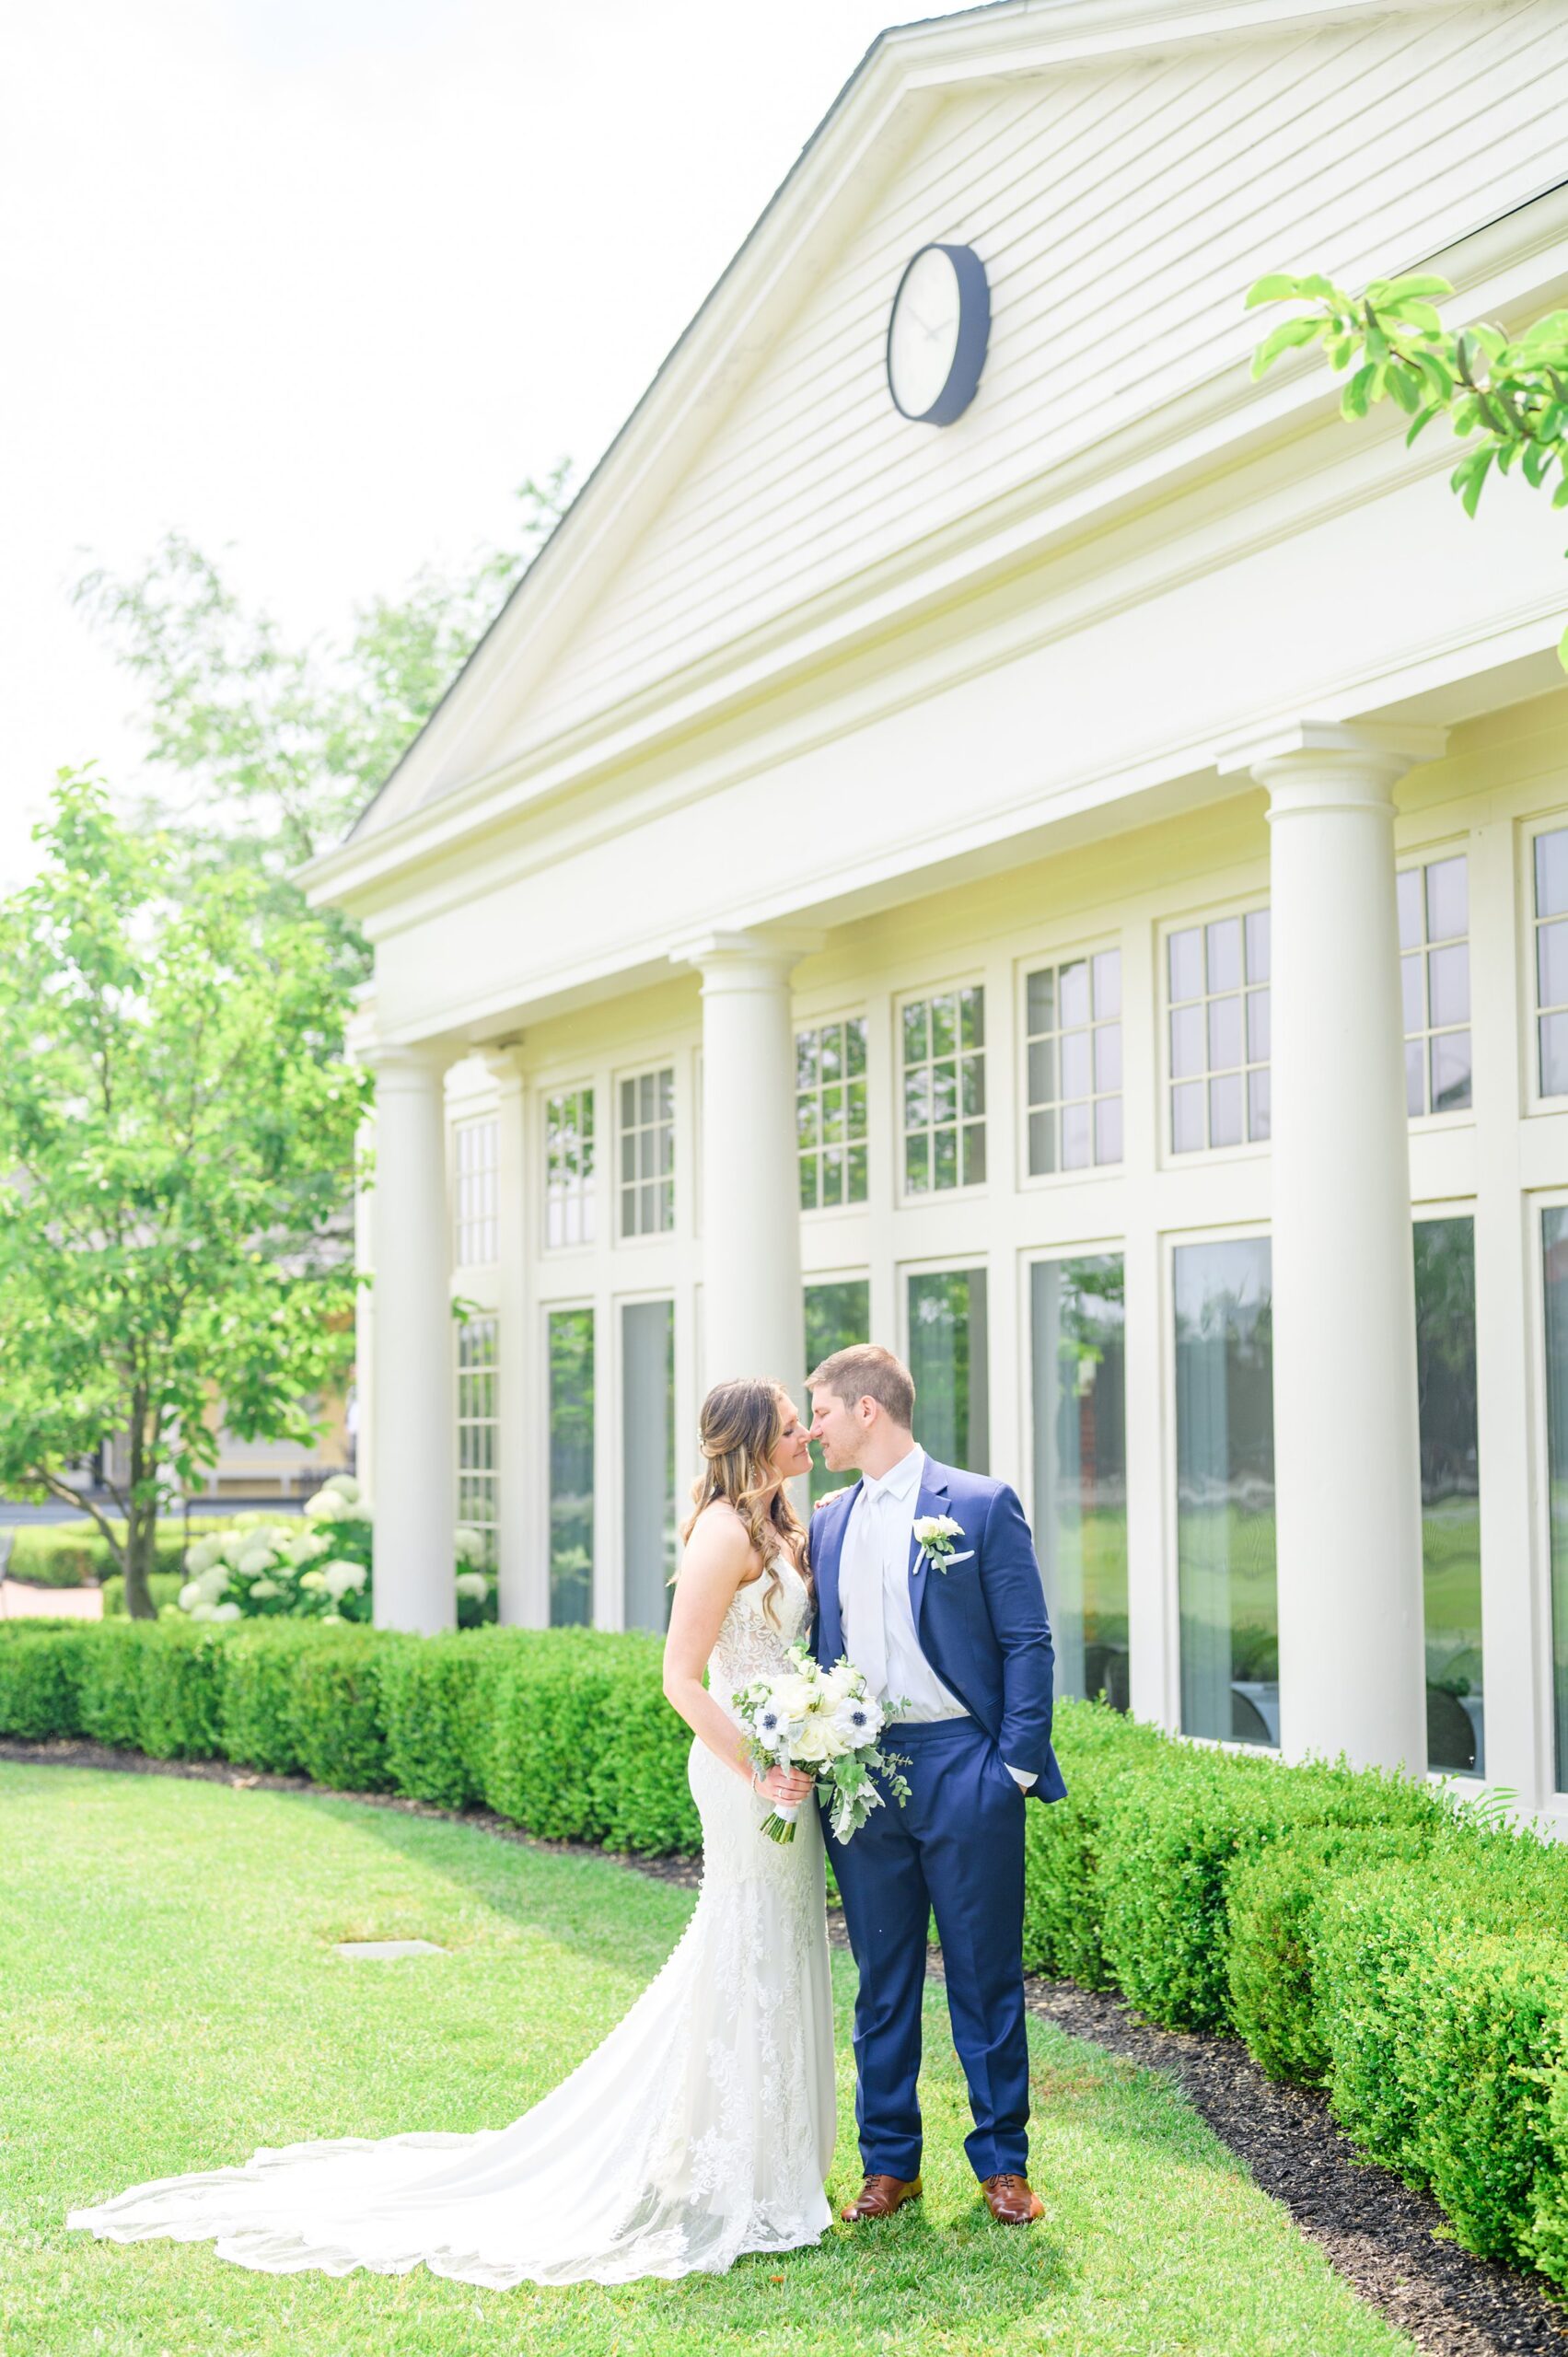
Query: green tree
(1506,397)
(278,744)
(177,1137)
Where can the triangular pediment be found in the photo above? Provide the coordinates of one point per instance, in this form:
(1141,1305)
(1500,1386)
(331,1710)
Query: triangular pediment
(1123,173)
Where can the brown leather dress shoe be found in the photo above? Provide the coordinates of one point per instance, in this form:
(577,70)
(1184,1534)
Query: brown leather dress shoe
(1008,2197)
(880,2196)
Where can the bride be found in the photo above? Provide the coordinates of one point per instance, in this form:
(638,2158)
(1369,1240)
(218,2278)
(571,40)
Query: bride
(703,2127)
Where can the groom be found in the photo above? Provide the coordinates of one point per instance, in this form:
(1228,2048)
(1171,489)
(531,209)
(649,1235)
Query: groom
(954,1635)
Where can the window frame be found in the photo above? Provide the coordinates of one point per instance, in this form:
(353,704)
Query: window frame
(799,1024)
(904,1198)
(1534,1101)
(1433,855)
(1036,962)
(1554,1804)
(492,1474)
(464,1125)
(589,1188)
(1240,905)
(950,1264)
(669,1062)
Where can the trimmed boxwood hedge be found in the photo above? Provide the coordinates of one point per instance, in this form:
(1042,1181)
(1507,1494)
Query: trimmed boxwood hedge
(1358,1930)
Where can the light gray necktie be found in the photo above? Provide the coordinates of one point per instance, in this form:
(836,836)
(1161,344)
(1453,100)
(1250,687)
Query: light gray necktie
(870,1654)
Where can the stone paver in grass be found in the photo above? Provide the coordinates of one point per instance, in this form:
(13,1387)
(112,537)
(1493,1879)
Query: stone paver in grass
(170,2000)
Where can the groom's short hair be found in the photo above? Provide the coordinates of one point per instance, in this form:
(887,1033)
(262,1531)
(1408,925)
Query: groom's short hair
(866,1371)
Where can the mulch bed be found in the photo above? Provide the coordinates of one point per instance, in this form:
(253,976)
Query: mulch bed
(1392,2245)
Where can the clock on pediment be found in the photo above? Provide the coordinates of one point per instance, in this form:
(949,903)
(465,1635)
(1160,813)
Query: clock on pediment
(937,335)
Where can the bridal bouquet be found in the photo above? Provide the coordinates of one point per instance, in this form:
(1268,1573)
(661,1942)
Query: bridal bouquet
(823,1723)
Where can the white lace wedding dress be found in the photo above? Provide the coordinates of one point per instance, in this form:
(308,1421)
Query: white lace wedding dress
(701,2129)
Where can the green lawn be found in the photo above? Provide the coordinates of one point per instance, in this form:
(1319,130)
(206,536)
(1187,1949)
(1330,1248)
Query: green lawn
(170,1999)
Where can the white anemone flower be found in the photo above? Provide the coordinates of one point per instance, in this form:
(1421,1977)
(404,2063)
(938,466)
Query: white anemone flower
(338,1577)
(858,1722)
(474,1585)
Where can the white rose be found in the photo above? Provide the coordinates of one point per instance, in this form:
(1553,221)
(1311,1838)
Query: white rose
(794,1696)
(815,1742)
(344,1486)
(474,1585)
(840,1683)
(338,1577)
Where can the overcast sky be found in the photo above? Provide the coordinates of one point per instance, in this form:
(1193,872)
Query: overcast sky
(318,282)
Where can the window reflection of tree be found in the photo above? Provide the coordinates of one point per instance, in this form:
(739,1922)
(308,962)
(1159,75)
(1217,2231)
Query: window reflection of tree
(570,1347)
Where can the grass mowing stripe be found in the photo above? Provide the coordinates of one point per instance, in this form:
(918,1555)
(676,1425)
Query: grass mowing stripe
(170,1999)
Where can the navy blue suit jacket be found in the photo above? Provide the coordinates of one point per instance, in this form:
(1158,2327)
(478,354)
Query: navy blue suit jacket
(982,1625)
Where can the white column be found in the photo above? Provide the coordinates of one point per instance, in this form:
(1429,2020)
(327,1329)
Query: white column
(752,1309)
(523,1586)
(412,1446)
(1347,1463)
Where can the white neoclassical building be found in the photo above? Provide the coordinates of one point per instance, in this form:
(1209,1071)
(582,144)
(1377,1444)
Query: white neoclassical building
(988,829)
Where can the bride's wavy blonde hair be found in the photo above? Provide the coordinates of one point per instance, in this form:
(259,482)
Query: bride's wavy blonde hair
(740,1427)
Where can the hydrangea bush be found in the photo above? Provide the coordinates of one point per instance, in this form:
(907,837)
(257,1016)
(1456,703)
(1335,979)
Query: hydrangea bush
(319,1568)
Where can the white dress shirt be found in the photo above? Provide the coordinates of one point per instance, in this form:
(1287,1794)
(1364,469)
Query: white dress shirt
(878,1618)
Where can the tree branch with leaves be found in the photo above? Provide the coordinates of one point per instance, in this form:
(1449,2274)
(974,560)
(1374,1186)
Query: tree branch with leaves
(1506,396)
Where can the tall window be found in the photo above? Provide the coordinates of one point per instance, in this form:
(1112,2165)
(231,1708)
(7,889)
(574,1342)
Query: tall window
(477,1152)
(948,1360)
(1225,1494)
(647,1440)
(1217,980)
(836,1314)
(830,1114)
(1073,1015)
(570,1348)
(1450,1493)
(569,1168)
(1551,960)
(648,1153)
(943,1094)
(1078,1317)
(477,1454)
(1555,1263)
(1435,971)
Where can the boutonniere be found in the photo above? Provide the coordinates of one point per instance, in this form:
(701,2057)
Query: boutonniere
(934,1534)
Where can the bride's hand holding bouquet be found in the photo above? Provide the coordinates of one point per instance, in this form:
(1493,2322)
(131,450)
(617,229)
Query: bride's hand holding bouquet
(822,1724)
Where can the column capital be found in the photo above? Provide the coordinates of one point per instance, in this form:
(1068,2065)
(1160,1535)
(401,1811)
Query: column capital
(1308,763)
(741,959)
(408,1064)
(503,1061)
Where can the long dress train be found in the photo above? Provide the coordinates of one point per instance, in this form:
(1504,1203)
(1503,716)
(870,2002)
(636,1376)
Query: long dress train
(701,2129)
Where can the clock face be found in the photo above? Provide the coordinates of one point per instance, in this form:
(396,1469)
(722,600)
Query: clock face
(937,335)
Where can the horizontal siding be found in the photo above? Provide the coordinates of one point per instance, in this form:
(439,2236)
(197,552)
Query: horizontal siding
(1122,212)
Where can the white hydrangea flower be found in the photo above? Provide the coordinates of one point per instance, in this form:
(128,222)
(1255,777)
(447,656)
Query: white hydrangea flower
(327,1505)
(474,1585)
(255,1558)
(231,1546)
(203,1611)
(213,1582)
(344,1486)
(265,1587)
(224,1612)
(338,1576)
(190,1595)
(468,1543)
(203,1554)
(315,1581)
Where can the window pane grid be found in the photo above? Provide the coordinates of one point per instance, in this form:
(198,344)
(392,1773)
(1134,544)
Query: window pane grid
(569,1168)
(478,1430)
(648,1153)
(1550,961)
(944,1090)
(477,1153)
(1435,976)
(1072,1075)
(1218,1032)
(830,1114)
